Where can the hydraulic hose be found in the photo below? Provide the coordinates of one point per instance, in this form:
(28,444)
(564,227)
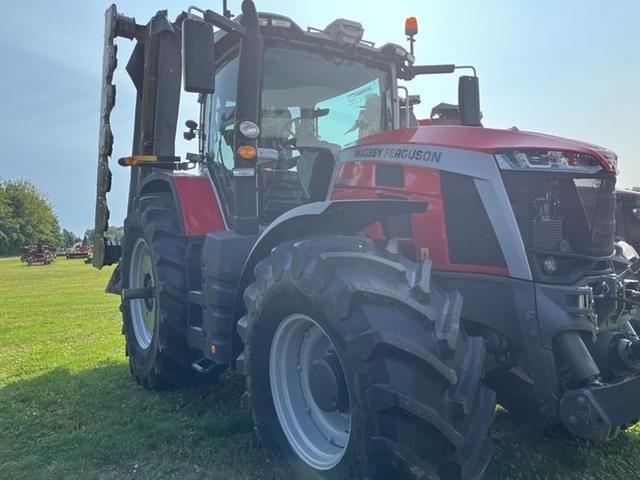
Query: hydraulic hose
(577,355)
(634,350)
(631,270)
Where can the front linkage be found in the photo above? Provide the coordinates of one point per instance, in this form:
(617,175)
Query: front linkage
(599,366)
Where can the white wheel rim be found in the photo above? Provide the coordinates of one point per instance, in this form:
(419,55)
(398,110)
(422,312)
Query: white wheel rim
(318,437)
(143,310)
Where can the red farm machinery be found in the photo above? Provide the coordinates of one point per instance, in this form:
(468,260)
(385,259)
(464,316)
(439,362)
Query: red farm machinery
(38,255)
(381,281)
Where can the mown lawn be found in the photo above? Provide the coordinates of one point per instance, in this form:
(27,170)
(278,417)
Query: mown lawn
(68,408)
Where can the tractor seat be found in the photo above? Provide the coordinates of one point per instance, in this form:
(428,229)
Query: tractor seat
(286,188)
(320,171)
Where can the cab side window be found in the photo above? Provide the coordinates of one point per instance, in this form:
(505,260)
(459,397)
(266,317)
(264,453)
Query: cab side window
(221,117)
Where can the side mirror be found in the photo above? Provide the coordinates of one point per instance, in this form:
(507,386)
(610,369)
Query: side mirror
(469,101)
(198,56)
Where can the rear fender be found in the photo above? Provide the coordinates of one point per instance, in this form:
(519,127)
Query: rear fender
(196,201)
(198,207)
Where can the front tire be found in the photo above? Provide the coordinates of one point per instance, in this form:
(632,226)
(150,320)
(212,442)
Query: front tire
(415,404)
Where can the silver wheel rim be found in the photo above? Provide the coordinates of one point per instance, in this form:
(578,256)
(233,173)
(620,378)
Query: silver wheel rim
(143,311)
(318,437)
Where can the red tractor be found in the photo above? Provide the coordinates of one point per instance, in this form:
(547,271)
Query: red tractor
(78,250)
(380,287)
(628,217)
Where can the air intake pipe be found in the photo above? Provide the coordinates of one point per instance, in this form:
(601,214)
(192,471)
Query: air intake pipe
(245,191)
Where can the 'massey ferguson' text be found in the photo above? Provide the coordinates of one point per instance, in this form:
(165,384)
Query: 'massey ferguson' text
(408,153)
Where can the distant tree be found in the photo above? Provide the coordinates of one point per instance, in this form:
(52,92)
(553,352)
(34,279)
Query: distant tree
(113,233)
(8,226)
(26,217)
(69,239)
(635,189)
(89,236)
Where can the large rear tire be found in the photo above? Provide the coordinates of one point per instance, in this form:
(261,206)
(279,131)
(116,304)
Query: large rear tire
(155,328)
(385,384)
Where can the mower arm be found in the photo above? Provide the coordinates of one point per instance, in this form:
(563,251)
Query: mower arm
(115,26)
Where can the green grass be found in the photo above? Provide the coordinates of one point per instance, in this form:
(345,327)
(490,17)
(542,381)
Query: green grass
(68,408)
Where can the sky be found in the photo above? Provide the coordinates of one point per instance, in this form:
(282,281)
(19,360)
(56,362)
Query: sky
(569,68)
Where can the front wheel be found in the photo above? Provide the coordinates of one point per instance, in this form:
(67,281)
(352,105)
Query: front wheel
(312,405)
(358,368)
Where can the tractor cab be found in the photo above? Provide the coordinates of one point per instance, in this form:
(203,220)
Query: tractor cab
(312,93)
(321,90)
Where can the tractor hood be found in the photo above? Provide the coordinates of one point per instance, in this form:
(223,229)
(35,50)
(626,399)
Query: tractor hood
(489,140)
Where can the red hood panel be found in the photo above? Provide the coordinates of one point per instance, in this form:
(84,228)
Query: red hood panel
(486,140)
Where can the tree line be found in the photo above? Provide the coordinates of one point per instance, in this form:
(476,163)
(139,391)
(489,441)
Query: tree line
(28,218)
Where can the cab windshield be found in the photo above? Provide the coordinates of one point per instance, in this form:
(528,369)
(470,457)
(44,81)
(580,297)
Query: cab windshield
(310,99)
(312,106)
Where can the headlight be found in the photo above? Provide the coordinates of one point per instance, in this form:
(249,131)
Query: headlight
(548,160)
(249,129)
(612,159)
(550,265)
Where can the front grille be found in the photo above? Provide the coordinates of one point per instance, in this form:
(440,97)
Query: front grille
(564,214)
(547,233)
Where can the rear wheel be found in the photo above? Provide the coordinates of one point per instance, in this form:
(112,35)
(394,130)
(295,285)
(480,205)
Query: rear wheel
(357,367)
(155,326)
(143,312)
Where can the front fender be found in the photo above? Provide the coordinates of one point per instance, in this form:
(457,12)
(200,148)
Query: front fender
(332,216)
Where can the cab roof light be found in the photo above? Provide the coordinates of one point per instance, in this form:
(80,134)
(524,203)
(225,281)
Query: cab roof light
(401,52)
(411,26)
(411,30)
(345,31)
(278,22)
